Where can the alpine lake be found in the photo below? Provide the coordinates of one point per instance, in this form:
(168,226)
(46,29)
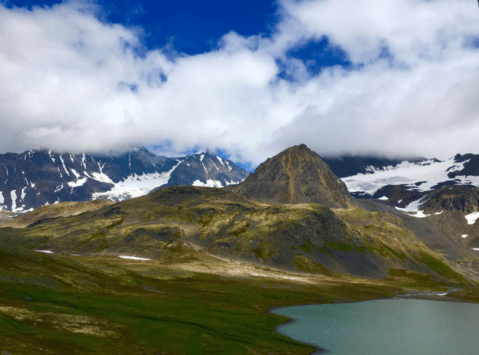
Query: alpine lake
(392,327)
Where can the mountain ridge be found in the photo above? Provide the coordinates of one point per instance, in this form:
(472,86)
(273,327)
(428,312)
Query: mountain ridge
(37,177)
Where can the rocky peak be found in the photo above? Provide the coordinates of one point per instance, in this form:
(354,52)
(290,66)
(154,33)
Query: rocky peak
(296,175)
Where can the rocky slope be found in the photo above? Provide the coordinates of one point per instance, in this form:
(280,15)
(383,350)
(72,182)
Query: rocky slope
(296,175)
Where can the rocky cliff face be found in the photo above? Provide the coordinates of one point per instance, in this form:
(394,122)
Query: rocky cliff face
(296,175)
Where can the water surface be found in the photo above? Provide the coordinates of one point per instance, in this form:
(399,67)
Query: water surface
(386,327)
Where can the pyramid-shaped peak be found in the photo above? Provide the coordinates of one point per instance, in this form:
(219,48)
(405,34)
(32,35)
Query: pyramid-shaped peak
(296,175)
(301,149)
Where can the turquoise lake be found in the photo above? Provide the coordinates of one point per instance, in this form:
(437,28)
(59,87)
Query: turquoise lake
(386,327)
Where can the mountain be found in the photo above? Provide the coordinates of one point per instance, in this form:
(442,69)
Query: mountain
(296,175)
(206,169)
(39,177)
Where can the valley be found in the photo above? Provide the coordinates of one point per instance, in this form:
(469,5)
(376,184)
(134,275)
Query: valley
(196,270)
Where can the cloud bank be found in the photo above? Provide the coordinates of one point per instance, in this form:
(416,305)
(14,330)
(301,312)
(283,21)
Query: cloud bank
(70,81)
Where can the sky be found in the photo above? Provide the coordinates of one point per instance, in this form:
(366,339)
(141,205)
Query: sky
(246,78)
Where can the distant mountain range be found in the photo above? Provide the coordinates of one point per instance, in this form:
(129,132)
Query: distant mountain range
(39,177)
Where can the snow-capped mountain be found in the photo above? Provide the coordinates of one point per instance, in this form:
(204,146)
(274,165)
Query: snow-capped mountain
(409,184)
(38,177)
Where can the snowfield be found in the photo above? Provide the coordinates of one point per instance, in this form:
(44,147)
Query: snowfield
(421,176)
(135,186)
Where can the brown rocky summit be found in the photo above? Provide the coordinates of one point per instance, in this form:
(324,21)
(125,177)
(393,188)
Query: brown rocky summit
(296,175)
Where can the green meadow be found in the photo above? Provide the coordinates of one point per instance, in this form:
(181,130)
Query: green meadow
(106,305)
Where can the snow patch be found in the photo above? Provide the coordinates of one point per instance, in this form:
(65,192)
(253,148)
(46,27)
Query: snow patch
(77,183)
(83,161)
(221,160)
(464,236)
(132,257)
(384,198)
(475,249)
(471,218)
(202,157)
(13,195)
(24,193)
(45,251)
(102,178)
(2,200)
(50,154)
(209,183)
(64,167)
(75,173)
(419,214)
(414,207)
(438,213)
(229,167)
(101,167)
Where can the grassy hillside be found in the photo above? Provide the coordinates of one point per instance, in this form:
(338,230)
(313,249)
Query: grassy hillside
(301,237)
(63,209)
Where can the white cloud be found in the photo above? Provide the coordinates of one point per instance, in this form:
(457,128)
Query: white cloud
(72,82)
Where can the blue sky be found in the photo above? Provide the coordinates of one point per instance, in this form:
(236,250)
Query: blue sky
(189,26)
(247,78)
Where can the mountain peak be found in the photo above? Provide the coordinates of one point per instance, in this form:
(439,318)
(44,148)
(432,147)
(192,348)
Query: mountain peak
(296,175)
